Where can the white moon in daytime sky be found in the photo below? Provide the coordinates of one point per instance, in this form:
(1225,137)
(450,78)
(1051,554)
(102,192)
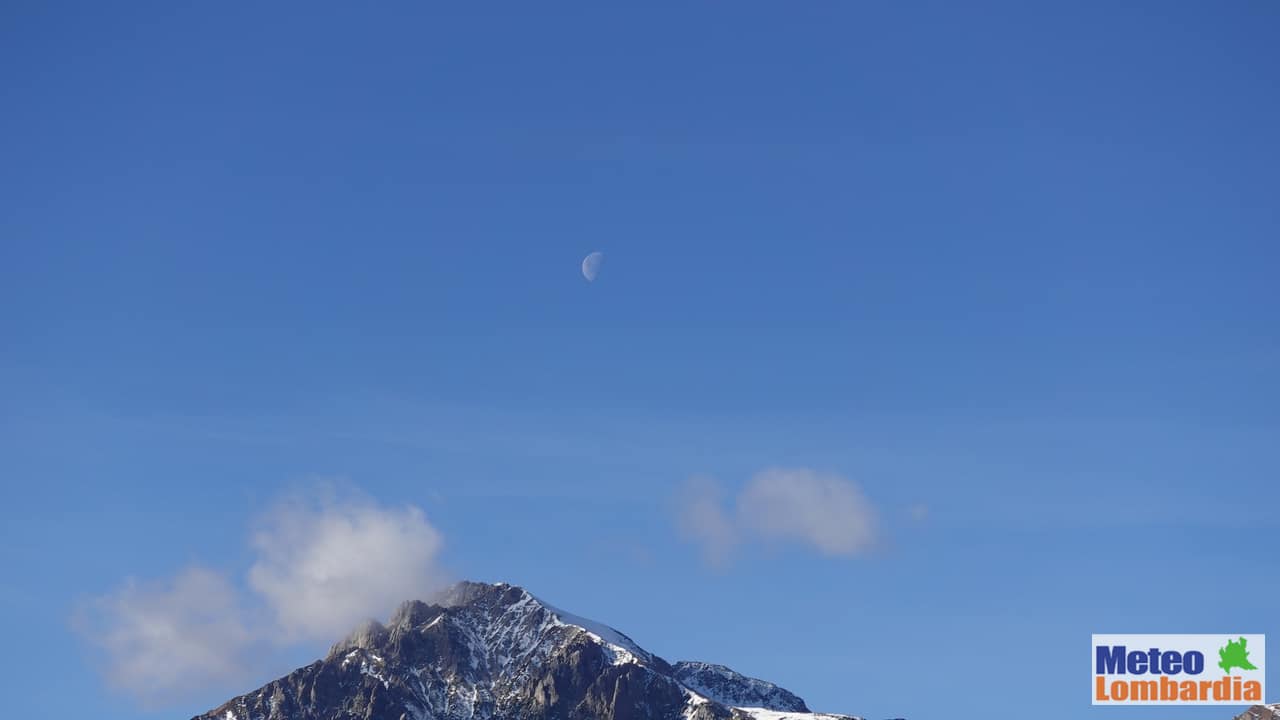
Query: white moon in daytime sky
(591,265)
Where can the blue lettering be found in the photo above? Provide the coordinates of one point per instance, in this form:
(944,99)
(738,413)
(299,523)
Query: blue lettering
(1118,660)
(1109,659)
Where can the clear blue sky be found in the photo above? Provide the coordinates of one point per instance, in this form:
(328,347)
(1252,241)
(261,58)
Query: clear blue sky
(1015,264)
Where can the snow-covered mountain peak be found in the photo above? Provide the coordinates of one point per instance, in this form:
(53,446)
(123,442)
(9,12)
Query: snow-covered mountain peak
(480,651)
(514,607)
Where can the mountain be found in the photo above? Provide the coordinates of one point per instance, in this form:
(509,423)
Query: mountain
(1261,712)
(496,652)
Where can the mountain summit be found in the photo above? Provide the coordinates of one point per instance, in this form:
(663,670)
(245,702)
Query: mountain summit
(495,652)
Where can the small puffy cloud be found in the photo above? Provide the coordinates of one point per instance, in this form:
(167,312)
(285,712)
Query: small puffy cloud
(164,638)
(324,567)
(824,511)
(819,509)
(321,567)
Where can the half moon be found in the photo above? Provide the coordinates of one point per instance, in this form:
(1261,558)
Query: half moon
(591,266)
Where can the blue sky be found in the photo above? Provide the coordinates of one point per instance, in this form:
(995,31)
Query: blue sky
(1012,265)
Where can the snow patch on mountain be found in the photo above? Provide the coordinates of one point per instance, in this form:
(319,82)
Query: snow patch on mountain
(765,714)
(623,648)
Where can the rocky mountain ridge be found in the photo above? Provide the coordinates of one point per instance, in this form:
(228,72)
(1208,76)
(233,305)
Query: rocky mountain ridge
(496,652)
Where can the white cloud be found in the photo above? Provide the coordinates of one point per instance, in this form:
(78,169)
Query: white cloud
(321,567)
(821,510)
(324,567)
(161,639)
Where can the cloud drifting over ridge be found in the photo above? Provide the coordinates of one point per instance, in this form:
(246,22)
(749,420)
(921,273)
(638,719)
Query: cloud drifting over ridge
(321,567)
(822,510)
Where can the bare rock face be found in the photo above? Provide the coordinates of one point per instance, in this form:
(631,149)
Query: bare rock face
(496,652)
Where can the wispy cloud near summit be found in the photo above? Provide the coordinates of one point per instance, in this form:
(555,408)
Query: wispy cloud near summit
(322,568)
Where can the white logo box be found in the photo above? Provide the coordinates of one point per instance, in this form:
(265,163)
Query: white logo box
(1137,688)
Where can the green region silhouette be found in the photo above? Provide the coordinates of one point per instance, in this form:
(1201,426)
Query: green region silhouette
(1235,654)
